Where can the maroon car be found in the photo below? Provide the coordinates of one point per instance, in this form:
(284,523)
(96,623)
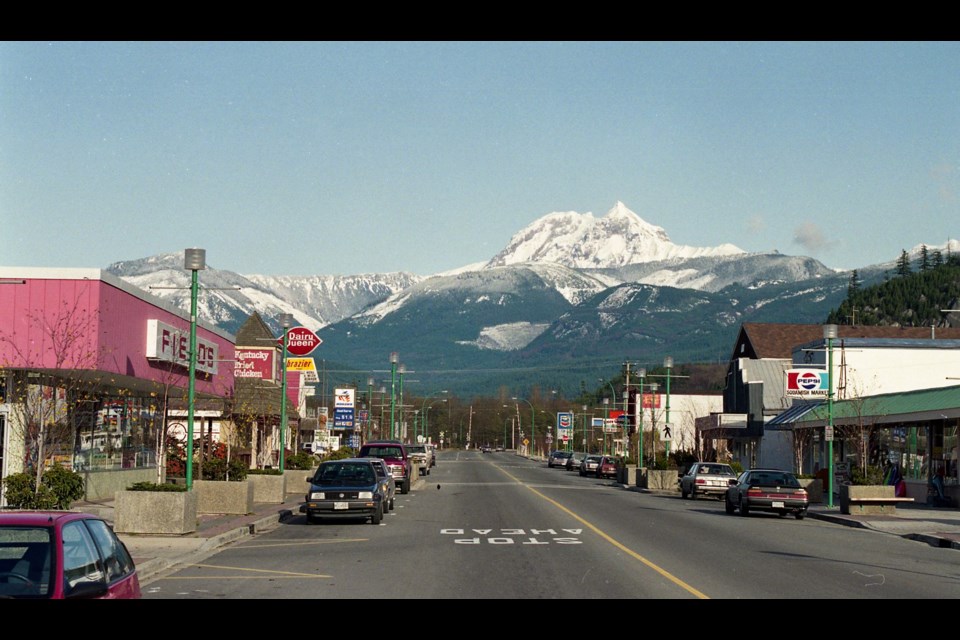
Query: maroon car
(397,458)
(607,467)
(63,554)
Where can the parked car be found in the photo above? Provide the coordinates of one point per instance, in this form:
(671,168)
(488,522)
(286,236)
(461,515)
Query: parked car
(589,465)
(432,449)
(771,490)
(347,488)
(395,455)
(63,554)
(706,478)
(420,456)
(607,467)
(558,459)
(573,462)
(485,449)
(389,484)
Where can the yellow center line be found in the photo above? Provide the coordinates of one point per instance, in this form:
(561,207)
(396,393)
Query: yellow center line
(663,572)
(209,577)
(284,574)
(298,543)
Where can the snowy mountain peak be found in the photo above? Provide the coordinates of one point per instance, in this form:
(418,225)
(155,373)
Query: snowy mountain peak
(581,241)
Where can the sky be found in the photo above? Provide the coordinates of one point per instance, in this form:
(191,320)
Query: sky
(320,158)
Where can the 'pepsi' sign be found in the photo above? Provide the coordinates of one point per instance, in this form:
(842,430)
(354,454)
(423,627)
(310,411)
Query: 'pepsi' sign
(807,383)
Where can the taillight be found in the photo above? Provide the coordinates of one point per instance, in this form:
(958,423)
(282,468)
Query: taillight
(800,492)
(700,481)
(754,492)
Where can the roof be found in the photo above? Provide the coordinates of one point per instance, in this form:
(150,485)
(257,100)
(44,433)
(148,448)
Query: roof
(794,413)
(776,340)
(772,373)
(890,408)
(37,518)
(256,333)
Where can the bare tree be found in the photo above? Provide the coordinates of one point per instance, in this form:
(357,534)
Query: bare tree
(53,370)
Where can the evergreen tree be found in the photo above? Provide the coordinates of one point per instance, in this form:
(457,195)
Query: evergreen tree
(854,285)
(937,259)
(903,264)
(924,258)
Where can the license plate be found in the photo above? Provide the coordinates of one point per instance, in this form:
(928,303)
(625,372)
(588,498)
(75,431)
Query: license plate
(346,505)
(778,505)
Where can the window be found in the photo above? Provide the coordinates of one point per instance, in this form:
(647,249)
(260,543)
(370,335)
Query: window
(117,561)
(81,561)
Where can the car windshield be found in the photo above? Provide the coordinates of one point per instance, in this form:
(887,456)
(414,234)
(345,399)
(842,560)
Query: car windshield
(25,562)
(384,452)
(774,479)
(417,449)
(345,474)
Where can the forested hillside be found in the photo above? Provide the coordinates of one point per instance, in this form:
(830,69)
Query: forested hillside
(914,295)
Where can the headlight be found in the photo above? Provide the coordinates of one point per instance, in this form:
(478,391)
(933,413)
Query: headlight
(318,495)
(366,495)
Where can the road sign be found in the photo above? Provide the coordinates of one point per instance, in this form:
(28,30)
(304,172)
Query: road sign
(301,341)
(828,434)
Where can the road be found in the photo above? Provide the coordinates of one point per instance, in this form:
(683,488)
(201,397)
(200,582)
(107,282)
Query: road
(496,526)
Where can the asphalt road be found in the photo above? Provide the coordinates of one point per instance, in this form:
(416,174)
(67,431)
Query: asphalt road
(500,526)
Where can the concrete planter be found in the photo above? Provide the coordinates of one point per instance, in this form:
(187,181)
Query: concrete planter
(155,512)
(662,480)
(814,487)
(270,488)
(297,480)
(627,475)
(853,492)
(221,496)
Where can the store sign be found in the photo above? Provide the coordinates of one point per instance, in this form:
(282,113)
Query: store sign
(255,363)
(166,343)
(343,418)
(344,398)
(807,383)
(651,401)
(564,420)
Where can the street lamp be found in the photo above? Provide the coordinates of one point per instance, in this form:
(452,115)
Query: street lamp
(829,334)
(668,365)
(426,412)
(394,359)
(369,405)
(423,412)
(401,369)
(653,419)
(533,425)
(643,374)
(286,320)
(194,260)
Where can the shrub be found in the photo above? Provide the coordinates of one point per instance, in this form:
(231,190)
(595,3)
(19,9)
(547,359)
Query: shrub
(59,487)
(264,472)
(301,460)
(736,466)
(339,454)
(153,486)
(65,484)
(870,475)
(219,469)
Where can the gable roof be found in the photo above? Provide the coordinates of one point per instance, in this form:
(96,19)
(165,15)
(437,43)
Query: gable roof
(776,340)
(255,333)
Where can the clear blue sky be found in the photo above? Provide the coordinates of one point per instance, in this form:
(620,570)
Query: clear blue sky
(346,158)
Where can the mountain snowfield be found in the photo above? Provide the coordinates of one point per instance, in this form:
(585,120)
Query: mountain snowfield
(581,241)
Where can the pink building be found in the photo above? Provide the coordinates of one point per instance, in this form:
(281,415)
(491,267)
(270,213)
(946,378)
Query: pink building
(89,367)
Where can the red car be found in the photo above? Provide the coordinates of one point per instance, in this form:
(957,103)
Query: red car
(63,554)
(607,467)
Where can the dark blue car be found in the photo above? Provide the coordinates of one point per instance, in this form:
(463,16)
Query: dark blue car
(346,488)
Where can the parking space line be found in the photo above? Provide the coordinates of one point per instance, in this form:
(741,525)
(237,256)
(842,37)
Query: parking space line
(663,572)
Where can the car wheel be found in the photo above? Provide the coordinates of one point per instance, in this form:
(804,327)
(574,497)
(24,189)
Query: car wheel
(783,514)
(405,486)
(744,509)
(799,515)
(377,515)
(727,505)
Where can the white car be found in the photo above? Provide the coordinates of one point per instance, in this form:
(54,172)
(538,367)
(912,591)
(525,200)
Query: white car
(706,478)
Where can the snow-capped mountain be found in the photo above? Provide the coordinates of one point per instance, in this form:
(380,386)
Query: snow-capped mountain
(569,291)
(227,299)
(582,241)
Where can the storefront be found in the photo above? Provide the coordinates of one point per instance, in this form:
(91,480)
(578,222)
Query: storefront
(90,368)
